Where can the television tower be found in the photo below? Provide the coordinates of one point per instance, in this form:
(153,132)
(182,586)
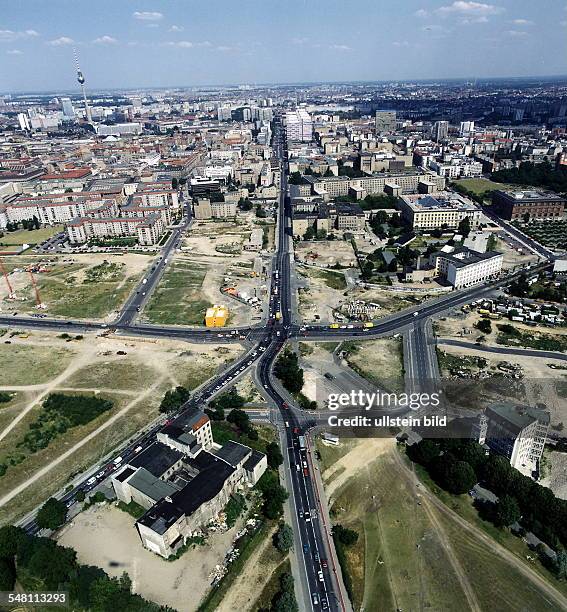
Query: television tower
(81,80)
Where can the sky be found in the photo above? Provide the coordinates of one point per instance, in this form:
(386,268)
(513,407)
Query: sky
(160,43)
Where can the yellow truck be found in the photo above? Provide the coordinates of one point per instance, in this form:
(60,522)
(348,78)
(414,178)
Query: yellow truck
(334,326)
(368,325)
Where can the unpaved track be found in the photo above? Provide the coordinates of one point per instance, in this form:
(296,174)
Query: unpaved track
(45,470)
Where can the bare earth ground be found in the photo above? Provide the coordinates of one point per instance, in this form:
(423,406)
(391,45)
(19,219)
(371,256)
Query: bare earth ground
(135,381)
(106,537)
(511,257)
(252,579)
(326,253)
(62,287)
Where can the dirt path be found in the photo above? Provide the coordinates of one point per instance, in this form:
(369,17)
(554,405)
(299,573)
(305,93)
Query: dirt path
(250,582)
(40,473)
(457,567)
(481,537)
(84,358)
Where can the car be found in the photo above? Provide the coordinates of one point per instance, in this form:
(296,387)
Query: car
(415,314)
(316,556)
(315,599)
(324,604)
(320,576)
(296,430)
(100,475)
(324,563)
(297,467)
(91,481)
(305,464)
(305,472)
(328,376)
(306,548)
(307,516)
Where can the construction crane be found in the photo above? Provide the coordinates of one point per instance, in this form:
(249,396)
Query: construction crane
(38,302)
(11,294)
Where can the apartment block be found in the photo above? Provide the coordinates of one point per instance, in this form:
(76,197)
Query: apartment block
(464,268)
(513,205)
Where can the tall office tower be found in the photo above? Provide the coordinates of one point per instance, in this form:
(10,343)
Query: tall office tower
(466,128)
(81,80)
(385,121)
(68,110)
(440,130)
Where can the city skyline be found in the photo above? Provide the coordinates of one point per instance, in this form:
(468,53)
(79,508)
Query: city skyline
(159,44)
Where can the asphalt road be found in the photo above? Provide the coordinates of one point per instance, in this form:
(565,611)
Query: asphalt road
(505,350)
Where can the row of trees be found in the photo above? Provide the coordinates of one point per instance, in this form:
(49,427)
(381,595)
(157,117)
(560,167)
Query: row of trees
(27,224)
(41,564)
(539,175)
(288,371)
(174,399)
(457,465)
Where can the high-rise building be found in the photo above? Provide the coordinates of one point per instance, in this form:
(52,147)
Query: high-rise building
(298,125)
(385,121)
(467,128)
(24,121)
(223,113)
(68,110)
(81,81)
(440,130)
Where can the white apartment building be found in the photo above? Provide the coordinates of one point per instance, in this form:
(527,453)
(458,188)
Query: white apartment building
(147,230)
(119,129)
(457,168)
(464,268)
(298,125)
(222,210)
(53,212)
(437,210)
(516,432)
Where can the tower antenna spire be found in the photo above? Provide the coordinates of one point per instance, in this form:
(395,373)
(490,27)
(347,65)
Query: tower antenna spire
(81,80)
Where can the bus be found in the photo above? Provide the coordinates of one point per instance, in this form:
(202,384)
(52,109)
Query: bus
(302,445)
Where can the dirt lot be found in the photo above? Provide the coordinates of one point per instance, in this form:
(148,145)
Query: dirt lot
(106,537)
(380,361)
(538,383)
(135,381)
(511,256)
(91,286)
(326,253)
(212,257)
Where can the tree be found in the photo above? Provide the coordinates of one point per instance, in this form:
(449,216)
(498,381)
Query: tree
(285,602)
(561,565)
(80,496)
(457,477)
(464,227)
(491,242)
(274,455)
(321,234)
(288,371)
(393,266)
(283,538)
(484,325)
(367,270)
(7,574)
(424,452)
(52,514)
(310,233)
(239,418)
(174,399)
(345,536)
(526,217)
(507,511)
(295,178)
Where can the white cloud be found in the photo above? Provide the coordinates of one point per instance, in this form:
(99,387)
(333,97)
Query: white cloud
(61,41)
(299,41)
(401,43)
(147,15)
(517,33)
(176,28)
(224,48)
(14,52)
(434,27)
(340,47)
(187,44)
(421,13)
(470,12)
(563,23)
(522,22)
(105,40)
(11,35)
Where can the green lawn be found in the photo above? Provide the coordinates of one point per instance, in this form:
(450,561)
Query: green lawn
(29,365)
(333,280)
(20,237)
(178,299)
(480,185)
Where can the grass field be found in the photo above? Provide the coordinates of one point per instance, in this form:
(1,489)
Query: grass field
(411,556)
(20,237)
(82,288)
(32,365)
(379,361)
(333,280)
(178,298)
(124,374)
(480,185)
